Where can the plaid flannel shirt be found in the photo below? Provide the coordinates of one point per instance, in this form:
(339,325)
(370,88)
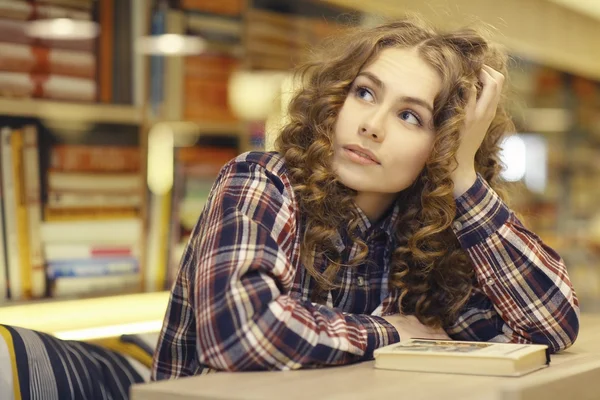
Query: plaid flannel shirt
(241,300)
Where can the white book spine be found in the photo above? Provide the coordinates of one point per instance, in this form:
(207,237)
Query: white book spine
(32,193)
(74,286)
(110,231)
(78,199)
(71,181)
(72,251)
(10,222)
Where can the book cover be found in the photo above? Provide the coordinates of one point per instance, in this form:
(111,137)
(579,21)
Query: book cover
(463,357)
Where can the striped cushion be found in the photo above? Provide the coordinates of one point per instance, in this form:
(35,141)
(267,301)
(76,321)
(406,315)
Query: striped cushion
(138,347)
(44,367)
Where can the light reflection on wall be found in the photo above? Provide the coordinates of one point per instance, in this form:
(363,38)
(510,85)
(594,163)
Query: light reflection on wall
(525,158)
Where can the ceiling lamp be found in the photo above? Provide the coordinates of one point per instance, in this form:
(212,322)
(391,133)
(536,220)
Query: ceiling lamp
(62,29)
(170,44)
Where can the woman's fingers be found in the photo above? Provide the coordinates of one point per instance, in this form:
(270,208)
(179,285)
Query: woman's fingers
(471,103)
(489,93)
(498,77)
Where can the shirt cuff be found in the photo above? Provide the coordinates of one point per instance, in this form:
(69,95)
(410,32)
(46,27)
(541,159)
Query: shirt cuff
(379,333)
(480,212)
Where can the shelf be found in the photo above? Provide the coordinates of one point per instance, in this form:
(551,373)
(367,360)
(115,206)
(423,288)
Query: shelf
(203,127)
(57,110)
(92,318)
(221,127)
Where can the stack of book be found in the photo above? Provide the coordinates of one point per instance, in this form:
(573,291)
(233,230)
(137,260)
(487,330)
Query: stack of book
(206,76)
(232,8)
(51,69)
(75,229)
(206,79)
(279,41)
(91,227)
(21,260)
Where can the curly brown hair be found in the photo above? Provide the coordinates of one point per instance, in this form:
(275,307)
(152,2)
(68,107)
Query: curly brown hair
(432,273)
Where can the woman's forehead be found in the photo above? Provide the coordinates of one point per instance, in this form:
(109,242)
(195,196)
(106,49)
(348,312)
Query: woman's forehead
(403,70)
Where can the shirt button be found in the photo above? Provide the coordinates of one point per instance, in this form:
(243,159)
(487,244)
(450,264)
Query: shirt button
(360,281)
(490,282)
(457,225)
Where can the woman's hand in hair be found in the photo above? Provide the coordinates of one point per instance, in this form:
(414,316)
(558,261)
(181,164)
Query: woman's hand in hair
(480,112)
(408,326)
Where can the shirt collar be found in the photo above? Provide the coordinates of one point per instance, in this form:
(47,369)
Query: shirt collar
(386,224)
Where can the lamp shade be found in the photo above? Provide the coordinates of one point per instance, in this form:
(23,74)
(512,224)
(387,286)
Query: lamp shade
(170,44)
(62,29)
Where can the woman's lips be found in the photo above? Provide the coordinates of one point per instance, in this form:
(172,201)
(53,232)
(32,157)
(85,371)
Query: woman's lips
(359,157)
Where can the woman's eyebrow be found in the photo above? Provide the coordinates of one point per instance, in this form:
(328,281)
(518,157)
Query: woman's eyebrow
(404,99)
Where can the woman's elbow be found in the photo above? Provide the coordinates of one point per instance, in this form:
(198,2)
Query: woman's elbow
(564,334)
(570,327)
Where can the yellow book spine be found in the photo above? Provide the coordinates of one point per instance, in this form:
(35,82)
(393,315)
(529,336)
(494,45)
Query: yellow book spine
(79,214)
(16,143)
(163,257)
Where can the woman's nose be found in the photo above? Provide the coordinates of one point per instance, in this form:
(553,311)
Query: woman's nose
(373,126)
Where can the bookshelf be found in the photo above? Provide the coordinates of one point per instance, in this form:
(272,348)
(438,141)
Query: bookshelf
(166,97)
(57,110)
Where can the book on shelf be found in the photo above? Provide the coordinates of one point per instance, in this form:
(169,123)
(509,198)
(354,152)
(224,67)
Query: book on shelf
(206,79)
(120,182)
(90,267)
(463,357)
(158,243)
(32,194)
(87,257)
(278,41)
(28,10)
(214,28)
(103,69)
(70,287)
(15,57)
(25,84)
(222,7)
(92,226)
(13,265)
(71,211)
(122,232)
(106,158)
(59,252)
(21,213)
(3,259)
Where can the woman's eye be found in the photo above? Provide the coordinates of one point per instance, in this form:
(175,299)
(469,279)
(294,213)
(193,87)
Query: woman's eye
(410,117)
(364,94)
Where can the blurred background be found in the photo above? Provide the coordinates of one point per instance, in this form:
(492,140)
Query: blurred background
(116,116)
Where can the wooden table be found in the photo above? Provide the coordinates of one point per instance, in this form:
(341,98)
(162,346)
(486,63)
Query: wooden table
(574,374)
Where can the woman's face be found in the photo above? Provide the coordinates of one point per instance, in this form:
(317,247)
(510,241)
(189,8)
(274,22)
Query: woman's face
(384,132)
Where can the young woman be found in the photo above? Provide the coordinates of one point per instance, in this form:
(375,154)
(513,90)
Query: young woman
(380,217)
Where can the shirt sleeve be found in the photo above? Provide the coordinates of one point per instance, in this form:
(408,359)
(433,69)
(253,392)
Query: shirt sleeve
(523,292)
(245,253)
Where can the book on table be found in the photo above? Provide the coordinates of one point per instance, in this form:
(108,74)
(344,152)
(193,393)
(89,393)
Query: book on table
(462,357)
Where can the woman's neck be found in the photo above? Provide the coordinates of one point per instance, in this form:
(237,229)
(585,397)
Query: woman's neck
(374,205)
